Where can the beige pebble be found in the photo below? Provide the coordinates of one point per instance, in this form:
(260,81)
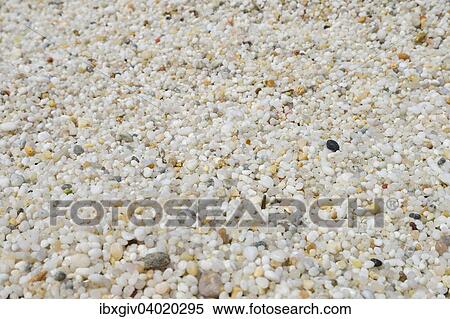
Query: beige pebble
(192,269)
(259,271)
(116,251)
(441,247)
(162,288)
(308,284)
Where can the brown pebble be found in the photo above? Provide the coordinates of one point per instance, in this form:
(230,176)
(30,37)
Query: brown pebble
(403,56)
(413,226)
(270,83)
(223,234)
(264,202)
(362,19)
(310,247)
(39,277)
(29,151)
(441,247)
(423,20)
(303,294)
(300,90)
(49,59)
(235,292)
(420,37)
(402,276)
(119,119)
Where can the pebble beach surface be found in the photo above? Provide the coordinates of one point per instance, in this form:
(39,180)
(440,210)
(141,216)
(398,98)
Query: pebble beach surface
(232,99)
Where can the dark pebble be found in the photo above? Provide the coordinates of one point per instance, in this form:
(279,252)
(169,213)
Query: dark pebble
(134,158)
(377,262)
(413,226)
(264,202)
(60,276)
(78,150)
(133,241)
(158,261)
(332,145)
(414,216)
(118,178)
(66,186)
(441,161)
(260,243)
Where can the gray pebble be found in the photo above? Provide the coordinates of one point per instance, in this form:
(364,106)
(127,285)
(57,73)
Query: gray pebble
(261,243)
(28,267)
(66,186)
(78,150)
(441,161)
(414,216)
(69,285)
(22,144)
(60,276)
(157,261)
(125,137)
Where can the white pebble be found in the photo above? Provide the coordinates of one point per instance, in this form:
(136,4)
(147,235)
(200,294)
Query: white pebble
(250,253)
(8,126)
(266,181)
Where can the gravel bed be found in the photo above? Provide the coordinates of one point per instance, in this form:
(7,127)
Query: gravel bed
(225,99)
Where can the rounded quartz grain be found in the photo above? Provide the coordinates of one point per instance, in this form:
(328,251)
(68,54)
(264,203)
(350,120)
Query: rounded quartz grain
(262,282)
(278,255)
(8,126)
(17,180)
(4,182)
(78,261)
(267,181)
(250,253)
(162,288)
(210,285)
